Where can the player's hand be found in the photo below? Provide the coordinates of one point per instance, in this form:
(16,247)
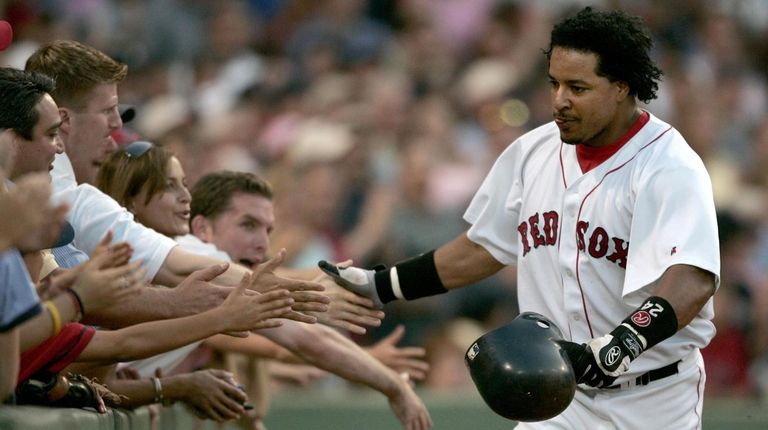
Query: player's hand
(585,364)
(347,310)
(359,281)
(599,362)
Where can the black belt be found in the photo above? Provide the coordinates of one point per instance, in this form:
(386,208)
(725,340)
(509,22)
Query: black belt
(649,376)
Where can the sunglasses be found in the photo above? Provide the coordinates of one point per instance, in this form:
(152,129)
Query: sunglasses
(137,148)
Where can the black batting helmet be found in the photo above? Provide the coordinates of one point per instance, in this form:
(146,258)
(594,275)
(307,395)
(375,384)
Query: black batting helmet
(520,370)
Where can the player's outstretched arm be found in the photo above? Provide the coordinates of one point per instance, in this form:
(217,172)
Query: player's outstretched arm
(456,264)
(679,296)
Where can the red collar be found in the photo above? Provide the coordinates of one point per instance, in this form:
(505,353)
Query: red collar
(590,157)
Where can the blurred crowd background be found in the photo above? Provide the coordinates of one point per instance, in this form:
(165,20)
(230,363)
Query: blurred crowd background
(376,120)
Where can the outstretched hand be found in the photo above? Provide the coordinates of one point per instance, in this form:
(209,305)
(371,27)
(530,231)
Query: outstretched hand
(359,281)
(107,278)
(304,293)
(409,408)
(196,293)
(244,310)
(407,360)
(347,310)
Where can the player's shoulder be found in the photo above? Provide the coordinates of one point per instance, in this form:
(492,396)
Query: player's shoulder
(664,146)
(541,138)
(545,133)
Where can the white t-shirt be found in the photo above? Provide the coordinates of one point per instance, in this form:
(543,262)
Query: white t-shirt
(589,247)
(192,243)
(93,213)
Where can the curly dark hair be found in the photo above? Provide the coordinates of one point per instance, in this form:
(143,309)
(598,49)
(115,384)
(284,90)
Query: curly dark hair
(621,42)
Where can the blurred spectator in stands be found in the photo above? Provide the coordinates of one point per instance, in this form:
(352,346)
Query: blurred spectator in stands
(728,355)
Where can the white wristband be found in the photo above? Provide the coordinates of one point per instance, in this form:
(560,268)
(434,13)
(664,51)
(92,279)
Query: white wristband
(395,283)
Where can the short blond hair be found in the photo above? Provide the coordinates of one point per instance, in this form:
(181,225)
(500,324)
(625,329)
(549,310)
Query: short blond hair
(76,68)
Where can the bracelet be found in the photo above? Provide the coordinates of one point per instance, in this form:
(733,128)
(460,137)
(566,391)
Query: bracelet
(158,390)
(78,302)
(55,316)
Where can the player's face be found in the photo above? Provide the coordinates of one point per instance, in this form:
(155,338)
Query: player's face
(243,230)
(87,132)
(37,155)
(167,212)
(584,105)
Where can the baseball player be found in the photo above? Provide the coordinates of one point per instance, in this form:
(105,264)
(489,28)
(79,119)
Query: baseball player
(609,216)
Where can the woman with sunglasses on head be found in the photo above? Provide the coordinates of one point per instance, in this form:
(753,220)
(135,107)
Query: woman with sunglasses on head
(149,181)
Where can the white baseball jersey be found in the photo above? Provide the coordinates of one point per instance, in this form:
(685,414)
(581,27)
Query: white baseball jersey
(589,247)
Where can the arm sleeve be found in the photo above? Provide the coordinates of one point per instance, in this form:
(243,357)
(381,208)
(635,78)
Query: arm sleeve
(674,223)
(93,213)
(494,211)
(18,299)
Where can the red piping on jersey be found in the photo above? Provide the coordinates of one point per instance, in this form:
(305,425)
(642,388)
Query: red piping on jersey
(560,226)
(578,216)
(698,395)
(562,166)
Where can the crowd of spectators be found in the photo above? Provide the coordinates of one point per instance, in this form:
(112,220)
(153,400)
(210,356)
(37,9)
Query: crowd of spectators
(375,122)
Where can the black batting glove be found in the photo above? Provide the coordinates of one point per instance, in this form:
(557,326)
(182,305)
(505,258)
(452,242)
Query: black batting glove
(602,360)
(585,365)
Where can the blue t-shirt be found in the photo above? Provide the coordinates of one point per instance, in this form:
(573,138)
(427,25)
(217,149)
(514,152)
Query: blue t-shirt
(18,298)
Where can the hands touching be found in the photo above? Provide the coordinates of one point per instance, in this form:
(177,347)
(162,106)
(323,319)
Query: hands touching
(347,310)
(359,281)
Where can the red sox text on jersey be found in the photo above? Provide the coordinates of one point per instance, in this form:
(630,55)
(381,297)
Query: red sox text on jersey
(541,229)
